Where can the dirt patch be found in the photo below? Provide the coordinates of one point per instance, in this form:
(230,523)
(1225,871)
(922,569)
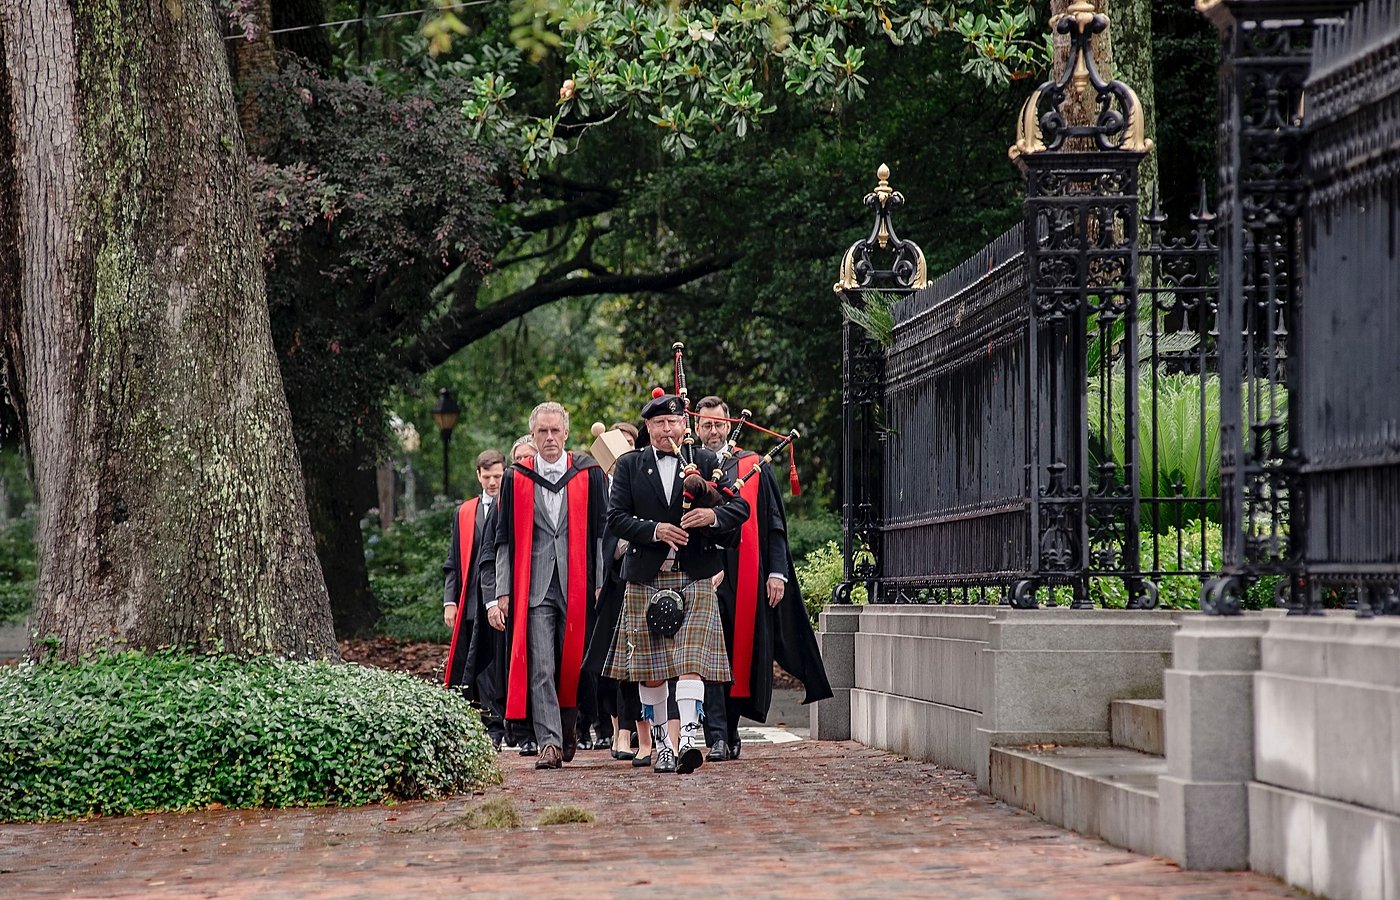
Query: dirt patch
(421,659)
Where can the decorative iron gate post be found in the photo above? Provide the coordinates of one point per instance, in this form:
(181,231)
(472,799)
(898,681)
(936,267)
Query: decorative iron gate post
(1082,252)
(1266,57)
(863,384)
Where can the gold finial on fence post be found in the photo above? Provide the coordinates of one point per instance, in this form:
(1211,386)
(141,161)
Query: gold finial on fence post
(1120,124)
(908,269)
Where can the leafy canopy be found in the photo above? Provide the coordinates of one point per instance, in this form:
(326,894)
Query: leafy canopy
(697,68)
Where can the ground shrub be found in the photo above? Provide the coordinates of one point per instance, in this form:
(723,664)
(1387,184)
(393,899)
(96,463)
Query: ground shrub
(818,574)
(405,574)
(130,733)
(1177,549)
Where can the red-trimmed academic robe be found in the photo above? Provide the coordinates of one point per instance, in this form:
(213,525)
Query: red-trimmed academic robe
(585,487)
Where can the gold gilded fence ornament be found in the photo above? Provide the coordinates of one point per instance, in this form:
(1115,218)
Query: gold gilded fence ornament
(1119,124)
(908,269)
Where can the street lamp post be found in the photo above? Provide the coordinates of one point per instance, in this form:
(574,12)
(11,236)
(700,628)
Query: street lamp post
(445,413)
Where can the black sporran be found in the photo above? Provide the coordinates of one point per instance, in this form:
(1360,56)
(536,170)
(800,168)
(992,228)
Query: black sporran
(665,612)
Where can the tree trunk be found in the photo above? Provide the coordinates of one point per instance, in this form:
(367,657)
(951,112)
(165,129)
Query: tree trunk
(1130,22)
(254,59)
(136,340)
(339,493)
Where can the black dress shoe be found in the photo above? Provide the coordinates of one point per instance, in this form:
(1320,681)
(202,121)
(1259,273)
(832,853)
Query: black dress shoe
(665,762)
(624,754)
(734,749)
(641,762)
(603,743)
(529,748)
(719,752)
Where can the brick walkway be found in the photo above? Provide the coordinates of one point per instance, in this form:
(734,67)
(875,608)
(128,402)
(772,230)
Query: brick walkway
(798,819)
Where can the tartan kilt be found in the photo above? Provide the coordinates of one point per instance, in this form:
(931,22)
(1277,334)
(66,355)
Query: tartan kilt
(698,647)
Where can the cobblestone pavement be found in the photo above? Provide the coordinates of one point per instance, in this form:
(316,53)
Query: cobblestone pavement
(808,819)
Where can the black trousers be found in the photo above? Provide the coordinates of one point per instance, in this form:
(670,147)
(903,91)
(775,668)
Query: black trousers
(721,714)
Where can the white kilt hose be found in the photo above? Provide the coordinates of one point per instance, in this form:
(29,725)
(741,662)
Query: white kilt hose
(638,655)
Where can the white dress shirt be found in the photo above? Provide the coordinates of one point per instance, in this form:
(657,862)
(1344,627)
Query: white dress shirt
(666,468)
(552,472)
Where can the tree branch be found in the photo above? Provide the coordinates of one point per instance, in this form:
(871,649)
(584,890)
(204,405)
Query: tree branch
(581,201)
(455,330)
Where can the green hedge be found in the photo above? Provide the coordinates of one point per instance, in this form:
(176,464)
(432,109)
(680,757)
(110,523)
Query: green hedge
(405,574)
(18,566)
(132,733)
(818,574)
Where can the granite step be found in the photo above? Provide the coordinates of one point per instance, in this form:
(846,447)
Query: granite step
(1139,725)
(1106,792)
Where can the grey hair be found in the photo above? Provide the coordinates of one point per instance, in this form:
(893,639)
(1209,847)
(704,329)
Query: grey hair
(548,406)
(524,439)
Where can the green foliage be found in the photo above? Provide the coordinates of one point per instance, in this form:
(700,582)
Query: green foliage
(704,70)
(1184,549)
(1185,54)
(369,192)
(18,568)
(405,574)
(818,575)
(811,531)
(132,733)
(876,316)
(1186,413)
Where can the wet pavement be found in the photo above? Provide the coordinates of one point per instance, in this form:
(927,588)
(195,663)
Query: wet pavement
(797,818)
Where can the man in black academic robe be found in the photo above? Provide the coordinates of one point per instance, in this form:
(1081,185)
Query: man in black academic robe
(543,578)
(760,602)
(472,526)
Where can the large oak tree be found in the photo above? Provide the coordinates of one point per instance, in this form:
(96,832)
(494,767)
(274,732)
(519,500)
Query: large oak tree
(136,339)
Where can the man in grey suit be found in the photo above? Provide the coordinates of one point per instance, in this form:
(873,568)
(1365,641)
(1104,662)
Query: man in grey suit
(545,576)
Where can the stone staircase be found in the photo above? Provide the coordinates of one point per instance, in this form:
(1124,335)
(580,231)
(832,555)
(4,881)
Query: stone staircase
(1106,791)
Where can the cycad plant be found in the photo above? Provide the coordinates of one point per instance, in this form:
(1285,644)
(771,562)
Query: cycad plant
(1182,411)
(1178,424)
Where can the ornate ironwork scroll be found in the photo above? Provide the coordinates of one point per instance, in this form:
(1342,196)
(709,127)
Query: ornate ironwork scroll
(863,384)
(906,269)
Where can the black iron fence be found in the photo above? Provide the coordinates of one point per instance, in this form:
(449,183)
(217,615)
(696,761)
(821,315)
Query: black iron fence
(1348,397)
(1101,408)
(957,518)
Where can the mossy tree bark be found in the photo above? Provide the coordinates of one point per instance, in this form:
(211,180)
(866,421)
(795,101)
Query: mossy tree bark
(136,340)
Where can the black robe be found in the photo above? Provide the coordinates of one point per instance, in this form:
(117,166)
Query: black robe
(494,648)
(782,633)
(459,670)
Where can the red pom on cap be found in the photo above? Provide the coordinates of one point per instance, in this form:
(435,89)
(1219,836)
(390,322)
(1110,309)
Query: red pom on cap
(657,392)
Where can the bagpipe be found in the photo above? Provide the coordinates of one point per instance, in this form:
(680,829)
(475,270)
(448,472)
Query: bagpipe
(699,491)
